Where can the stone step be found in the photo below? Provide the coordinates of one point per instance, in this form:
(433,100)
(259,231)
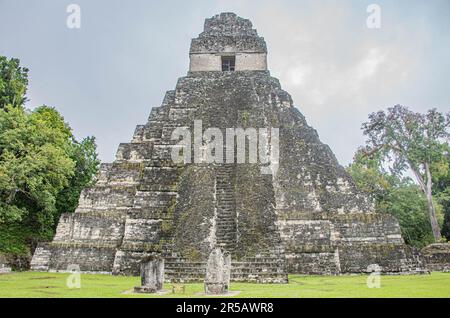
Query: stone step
(226,211)
(186,276)
(227,227)
(225,234)
(225,215)
(191,271)
(260,280)
(225,222)
(264,271)
(228,218)
(257,274)
(226,205)
(263,260)
(258,263)
(241,267)
(229,246)
(41,258)
(225,199)
(228,230)
(184,264)
(226,239)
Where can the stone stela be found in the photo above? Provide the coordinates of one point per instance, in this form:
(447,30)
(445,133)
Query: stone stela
(218,271)
(152,275)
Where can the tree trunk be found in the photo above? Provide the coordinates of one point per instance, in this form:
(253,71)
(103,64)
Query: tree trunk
(426,189)
(431,208)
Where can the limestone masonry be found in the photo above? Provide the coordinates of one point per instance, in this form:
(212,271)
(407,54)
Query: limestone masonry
(437,257)
(308,217)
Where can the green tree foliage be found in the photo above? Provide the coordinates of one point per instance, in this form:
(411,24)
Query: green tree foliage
(407,203)
(394,195)
(42,172)
(86,166)
(369,175)
(34,163)
(13,82)
(43,169)
(410,141)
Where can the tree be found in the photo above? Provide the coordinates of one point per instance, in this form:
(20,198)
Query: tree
(86,166)
(369,175)
(43,168)
(408,140)
(441,189)
(34,163)
(13,82)
(42,172)
(394,195)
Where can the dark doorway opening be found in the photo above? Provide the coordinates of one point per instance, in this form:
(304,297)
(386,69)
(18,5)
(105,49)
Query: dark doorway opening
(228,63)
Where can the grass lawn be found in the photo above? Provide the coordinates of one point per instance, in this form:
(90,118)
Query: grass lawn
(35,284)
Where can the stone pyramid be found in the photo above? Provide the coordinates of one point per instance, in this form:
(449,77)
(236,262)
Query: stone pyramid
(306,217)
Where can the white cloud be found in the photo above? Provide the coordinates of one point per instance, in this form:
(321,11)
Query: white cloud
(370,64)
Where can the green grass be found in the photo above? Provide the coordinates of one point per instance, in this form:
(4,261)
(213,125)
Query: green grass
(49,285)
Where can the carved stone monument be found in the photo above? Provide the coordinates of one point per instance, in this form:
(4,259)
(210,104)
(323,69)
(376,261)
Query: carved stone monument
(152,275)
(218,270)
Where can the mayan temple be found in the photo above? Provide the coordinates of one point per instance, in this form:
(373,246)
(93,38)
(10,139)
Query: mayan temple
(307,216)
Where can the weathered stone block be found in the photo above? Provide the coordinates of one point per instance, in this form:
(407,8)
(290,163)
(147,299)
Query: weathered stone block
(135,152)
(88,257)
(437,256)
(41,258)
(391,258)
(152,275)
(107,197)
(90,227)
(218,271)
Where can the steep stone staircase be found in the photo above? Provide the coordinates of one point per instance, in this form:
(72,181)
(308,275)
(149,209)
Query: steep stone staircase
(261,268)
(258,269)
(226,230)
(182,270)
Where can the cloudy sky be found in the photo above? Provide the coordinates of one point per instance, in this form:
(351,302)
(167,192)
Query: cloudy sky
(105,77)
